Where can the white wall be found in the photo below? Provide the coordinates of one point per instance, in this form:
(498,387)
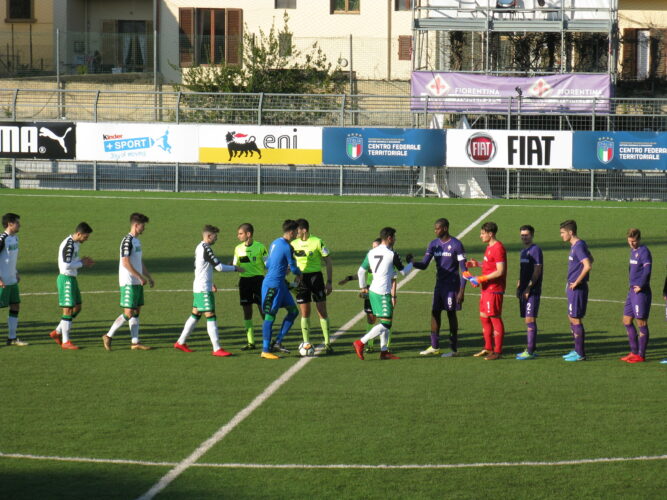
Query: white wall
(373,38)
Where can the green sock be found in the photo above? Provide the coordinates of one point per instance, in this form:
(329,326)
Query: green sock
(250,333)
(305,329)
(324,323)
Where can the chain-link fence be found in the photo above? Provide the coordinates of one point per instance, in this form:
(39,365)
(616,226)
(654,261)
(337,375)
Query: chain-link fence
(444,182)
(329,110)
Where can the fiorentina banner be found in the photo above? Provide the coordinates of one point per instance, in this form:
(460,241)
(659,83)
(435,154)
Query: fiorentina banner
(465,92)
(384,146)
(536,149)
(620,150)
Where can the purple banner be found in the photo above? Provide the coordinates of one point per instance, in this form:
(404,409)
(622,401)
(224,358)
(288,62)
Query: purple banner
(465,92)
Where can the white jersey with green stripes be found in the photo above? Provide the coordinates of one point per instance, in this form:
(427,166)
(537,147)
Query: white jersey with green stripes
(383,262)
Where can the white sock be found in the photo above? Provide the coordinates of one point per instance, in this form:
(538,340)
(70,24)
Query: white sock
(64,329)
(212,329)
(120,321)
(187,330)
(373,332)
(384,339)
(12,324)
(134,329)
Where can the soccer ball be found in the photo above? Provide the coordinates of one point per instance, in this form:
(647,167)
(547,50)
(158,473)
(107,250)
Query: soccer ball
(306,349)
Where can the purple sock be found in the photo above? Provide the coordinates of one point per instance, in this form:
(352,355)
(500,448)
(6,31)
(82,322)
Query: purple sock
(632,338)
(578,331)
(532,336)
(435,340)
(643,340)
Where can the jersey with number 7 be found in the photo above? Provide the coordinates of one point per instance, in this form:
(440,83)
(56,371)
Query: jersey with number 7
(383,263)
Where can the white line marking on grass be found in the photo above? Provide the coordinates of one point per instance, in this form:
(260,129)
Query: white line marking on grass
(115,461)
(88,460)
(267,393)
(372,201)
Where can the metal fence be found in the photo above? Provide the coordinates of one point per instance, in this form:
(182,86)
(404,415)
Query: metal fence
(325,110)
(445,182)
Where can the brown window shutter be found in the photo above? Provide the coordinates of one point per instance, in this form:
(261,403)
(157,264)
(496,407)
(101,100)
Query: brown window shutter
(629,63)
(110,45)
(234,36)
(186,36)
(404,48)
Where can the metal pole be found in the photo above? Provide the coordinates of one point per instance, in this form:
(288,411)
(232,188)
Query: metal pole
(14,101)
(259,179)
(340,181)
(592,183)
(58,57)
(260,105)
(13,173)
(507,183)
(177,177)
(95,174)
(594,106)
(155,61)
(423,169)
(178,107)
(341,122)
(351,66)
(97,100)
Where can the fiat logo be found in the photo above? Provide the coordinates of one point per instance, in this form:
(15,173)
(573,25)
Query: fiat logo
(481,148)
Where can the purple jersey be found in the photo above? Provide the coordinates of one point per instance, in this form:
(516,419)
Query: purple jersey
(449,258)
(640,268)
(578,253)
(530,257)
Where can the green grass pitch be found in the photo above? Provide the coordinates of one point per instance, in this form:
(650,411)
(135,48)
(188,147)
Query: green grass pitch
(150,410)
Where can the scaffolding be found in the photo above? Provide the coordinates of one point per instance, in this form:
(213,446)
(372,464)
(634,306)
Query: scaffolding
(516,37)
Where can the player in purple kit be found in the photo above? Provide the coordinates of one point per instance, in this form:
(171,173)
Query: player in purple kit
(638,302)
(578,272)
(449,256)
(529,288)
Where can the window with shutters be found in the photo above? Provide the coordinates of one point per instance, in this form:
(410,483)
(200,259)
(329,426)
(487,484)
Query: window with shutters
(20,11)
(402,4)
(405,48)
(285,4)
(345,6)
(210,36)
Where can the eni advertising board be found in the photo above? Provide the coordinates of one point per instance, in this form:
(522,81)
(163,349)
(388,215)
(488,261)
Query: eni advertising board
(249,144)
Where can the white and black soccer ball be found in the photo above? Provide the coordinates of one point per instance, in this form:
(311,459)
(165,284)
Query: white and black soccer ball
(306,349)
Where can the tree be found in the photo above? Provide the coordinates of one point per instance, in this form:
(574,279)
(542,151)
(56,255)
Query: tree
(271,64)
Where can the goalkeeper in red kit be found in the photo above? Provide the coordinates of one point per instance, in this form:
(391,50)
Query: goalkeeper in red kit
(492,280)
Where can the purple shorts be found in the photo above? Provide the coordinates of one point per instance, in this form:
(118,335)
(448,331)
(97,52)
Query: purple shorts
(577,300)
(444,298)
(529,307)
(637,305)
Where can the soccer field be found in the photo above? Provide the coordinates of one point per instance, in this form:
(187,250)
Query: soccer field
(130,424)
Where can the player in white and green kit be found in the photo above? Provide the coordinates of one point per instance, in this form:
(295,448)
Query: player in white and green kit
(132,276)
(203,290)
(69,295)
(252,255)
(383,262)
(309,252)
(9,276)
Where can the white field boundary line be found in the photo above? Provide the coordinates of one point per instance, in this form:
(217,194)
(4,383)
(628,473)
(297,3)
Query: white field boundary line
(203,448)
(584,461)
(337,290)
(331,202)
